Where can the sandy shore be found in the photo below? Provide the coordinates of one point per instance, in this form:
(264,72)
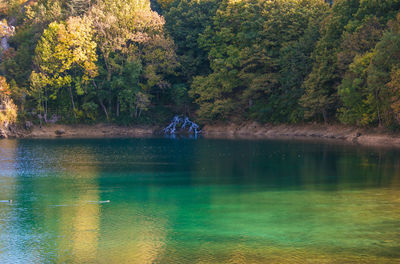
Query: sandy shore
(347,134)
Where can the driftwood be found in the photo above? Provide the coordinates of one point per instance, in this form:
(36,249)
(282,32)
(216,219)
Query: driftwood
(184,124)
(54,118)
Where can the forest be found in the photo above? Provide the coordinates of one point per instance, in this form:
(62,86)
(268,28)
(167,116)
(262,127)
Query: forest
(141,62)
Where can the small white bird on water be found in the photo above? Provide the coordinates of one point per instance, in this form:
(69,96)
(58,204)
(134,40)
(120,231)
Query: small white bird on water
(6,201)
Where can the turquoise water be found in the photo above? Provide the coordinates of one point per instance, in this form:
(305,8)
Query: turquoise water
(160,200)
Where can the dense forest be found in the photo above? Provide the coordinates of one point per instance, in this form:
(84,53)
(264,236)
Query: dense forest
(141,62)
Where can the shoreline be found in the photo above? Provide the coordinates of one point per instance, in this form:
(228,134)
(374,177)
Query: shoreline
(82,131)
(320,132)
(348,134)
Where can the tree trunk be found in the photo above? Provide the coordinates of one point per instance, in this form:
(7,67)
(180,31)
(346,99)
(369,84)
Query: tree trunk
(378,108)
(72,100)
(45,101)
(109,103)
(103,107)
(109,73)
(325,116)
(101,101)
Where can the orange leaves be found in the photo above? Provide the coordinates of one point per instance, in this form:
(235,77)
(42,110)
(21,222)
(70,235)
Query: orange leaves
(4,88)
(8,110)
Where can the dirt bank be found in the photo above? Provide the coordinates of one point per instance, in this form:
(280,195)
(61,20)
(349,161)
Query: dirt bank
(89,131)
(368,137)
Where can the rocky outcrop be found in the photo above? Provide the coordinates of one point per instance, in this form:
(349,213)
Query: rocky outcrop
(4,44)
(3,133)
(10,131)
(6,32)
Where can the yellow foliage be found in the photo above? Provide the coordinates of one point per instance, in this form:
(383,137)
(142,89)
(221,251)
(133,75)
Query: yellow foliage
(63,49)
(3,7)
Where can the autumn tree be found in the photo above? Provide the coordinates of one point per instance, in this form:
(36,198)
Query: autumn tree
(136,56)
(8,110)
(65,59)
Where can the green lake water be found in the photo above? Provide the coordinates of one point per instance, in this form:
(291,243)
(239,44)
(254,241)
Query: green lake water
(157,200)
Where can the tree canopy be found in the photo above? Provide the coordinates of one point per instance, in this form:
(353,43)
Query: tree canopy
(141,61)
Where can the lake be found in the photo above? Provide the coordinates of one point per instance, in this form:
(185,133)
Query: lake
(158,200)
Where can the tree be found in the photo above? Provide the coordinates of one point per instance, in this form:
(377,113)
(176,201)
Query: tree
(131,39)
(78,7)
(359,104)
(65,58)
(320,97)
(185,21)
(351,30)
(245,44)
(382,69)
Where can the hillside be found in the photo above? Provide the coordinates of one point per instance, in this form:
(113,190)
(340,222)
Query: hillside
(140,62)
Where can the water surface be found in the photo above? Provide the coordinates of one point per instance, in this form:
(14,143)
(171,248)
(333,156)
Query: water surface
(197,201)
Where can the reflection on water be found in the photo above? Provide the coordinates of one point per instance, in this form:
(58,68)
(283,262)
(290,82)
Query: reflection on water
(84,230)
(197,201)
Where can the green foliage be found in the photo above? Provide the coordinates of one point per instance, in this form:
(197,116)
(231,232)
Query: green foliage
(382,69)
(359,105)
(251,46)
(369,90)
(185,21)
(137,57)
(351,29)
(269,61)
(320,97)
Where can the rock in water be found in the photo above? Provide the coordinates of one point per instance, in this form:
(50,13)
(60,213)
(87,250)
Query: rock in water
(60,132)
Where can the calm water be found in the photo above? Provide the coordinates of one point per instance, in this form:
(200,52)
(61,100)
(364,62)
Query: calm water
(197,201)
